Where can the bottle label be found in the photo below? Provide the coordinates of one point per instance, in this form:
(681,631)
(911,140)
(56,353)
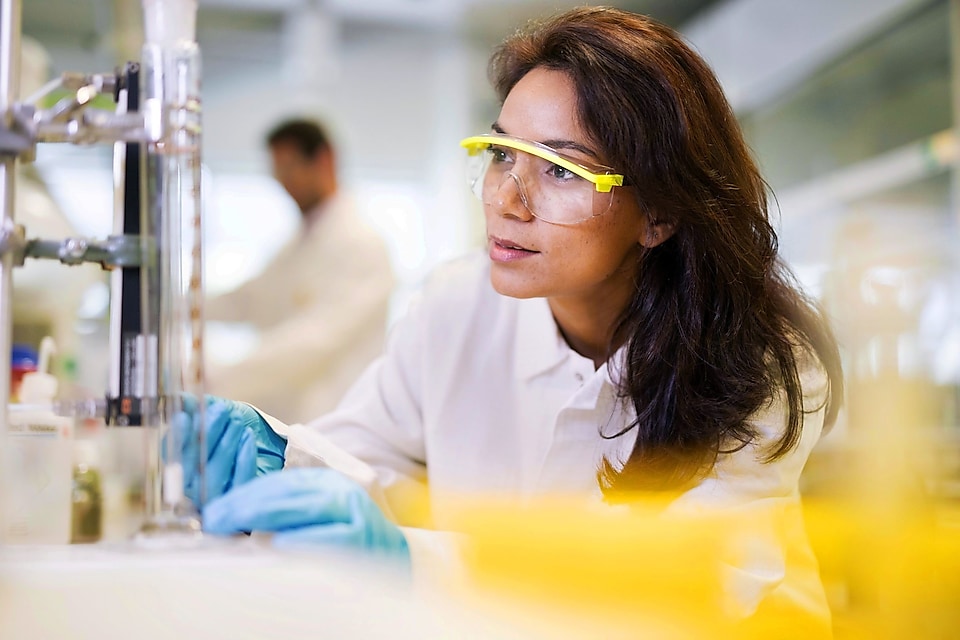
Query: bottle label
(39,429)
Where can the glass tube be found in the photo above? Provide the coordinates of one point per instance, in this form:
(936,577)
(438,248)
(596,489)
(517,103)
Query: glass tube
(173,267)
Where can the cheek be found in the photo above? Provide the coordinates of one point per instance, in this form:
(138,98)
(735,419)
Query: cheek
(611,246)
(601,238)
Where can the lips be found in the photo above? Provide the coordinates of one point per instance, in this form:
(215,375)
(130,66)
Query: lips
(503,250)
(509,244)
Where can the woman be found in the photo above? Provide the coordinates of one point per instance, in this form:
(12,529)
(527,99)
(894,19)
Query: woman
(631,328)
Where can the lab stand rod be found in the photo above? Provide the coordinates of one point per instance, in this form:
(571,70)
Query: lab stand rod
(955,107)
(10,12)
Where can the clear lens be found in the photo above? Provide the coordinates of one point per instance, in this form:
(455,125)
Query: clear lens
(548,191)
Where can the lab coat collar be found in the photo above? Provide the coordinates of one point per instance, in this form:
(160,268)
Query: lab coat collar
(540,347)
(326,213)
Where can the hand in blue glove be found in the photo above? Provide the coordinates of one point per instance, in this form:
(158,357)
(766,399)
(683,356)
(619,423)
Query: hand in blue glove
(240,446)
(306,507)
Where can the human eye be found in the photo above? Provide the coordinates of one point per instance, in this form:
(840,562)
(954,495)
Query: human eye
(498,154)
(561,174)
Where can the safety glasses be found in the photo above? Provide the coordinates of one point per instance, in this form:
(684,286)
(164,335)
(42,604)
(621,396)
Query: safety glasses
(553,187)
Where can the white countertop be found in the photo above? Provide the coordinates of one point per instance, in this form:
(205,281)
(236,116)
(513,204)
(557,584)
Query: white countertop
(217,589)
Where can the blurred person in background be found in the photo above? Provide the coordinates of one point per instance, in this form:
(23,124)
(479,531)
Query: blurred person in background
(631,331)
(321,304)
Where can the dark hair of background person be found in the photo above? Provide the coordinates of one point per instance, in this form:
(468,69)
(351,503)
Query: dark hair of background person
(308,136)
(713,327)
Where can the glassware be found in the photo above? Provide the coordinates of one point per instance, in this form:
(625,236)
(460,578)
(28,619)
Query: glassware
(172,269)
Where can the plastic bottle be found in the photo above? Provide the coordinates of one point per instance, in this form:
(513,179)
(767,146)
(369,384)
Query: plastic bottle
(41,456)
(23,360)
(39,387)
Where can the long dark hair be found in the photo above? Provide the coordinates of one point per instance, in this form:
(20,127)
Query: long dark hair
(717,324)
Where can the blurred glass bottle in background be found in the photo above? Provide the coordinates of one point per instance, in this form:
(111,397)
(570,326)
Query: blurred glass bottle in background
(87,496)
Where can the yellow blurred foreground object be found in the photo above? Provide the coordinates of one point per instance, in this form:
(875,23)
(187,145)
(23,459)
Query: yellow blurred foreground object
(567,570)
(560,569)
(889,574)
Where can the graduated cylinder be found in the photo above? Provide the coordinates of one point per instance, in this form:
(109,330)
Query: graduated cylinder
(172,283)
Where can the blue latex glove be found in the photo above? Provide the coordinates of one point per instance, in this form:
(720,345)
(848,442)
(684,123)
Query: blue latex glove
(240,446)
(315,506)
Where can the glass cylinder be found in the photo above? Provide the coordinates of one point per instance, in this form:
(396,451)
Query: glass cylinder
(173,265)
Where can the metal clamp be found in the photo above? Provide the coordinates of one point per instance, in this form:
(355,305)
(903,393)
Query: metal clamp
(12,241)
(71,119)
(115,251)
(17,134)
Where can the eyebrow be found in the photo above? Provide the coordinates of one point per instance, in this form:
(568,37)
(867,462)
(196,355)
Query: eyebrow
(554,144)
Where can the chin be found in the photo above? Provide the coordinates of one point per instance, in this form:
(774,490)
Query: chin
(513,285)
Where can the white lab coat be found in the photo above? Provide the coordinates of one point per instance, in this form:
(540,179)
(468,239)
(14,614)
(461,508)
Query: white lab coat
(479,393)
(321,307)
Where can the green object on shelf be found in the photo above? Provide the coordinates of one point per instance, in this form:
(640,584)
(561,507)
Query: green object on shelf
(87,497)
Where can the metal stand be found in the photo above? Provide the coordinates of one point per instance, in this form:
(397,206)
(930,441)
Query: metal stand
(155,253)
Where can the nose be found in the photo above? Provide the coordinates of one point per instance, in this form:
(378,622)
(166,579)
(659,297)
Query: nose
(511,198)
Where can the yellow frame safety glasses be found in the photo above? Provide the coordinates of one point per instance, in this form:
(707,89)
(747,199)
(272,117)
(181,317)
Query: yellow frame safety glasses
(602,181)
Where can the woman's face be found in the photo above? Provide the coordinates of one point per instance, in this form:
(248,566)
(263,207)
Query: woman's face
(591,262)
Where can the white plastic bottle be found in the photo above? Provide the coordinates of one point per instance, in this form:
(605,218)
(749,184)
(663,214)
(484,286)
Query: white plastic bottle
(41,447)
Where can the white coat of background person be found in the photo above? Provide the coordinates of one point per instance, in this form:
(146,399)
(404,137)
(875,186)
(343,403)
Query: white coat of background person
(321,305)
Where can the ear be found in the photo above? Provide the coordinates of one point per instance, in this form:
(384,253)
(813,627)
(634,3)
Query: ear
(656,232)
